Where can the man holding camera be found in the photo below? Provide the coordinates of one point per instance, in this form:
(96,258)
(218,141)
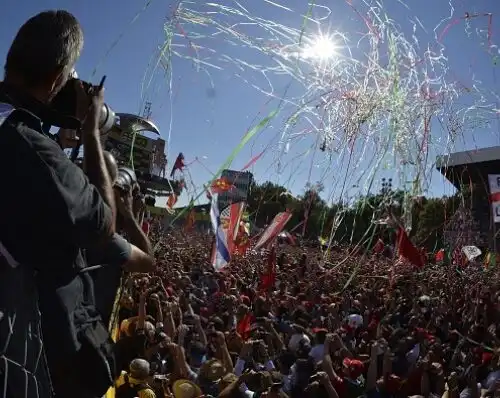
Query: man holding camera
(50,212)
(132,255)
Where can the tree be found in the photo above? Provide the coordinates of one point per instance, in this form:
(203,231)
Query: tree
(266,200)
(353,223)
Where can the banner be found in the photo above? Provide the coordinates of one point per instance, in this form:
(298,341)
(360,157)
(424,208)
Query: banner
(494,183)
(273,230)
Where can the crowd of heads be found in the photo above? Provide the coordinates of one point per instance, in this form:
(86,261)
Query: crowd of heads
(350,326)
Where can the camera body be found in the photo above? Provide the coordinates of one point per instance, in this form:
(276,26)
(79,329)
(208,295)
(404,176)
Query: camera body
(65,103)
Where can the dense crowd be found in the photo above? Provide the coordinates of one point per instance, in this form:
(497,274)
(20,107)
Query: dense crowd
(348,327)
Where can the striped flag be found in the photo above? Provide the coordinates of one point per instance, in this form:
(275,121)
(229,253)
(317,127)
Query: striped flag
(273,230)
(225,225)
(220,252)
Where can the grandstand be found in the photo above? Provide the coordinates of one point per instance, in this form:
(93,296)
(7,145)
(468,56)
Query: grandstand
(147,156)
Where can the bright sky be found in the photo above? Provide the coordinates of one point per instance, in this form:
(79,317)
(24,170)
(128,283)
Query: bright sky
(209,112)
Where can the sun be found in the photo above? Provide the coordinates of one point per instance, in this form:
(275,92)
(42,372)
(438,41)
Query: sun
(320,48)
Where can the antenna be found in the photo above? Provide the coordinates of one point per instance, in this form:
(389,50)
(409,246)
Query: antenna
(146,113)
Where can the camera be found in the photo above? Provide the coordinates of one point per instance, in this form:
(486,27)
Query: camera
(65,103)
(125,179)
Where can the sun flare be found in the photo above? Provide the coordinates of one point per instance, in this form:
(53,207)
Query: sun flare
(320,48)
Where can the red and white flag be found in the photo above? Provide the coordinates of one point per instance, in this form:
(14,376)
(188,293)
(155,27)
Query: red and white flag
(274,229)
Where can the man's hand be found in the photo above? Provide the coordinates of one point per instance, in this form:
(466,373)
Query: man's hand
(263,352)
(452,381)
(197,321)
(67,138)
(88,107)
(323,378)
(374,350)
(156,299)
(138,203)
(246,350)
(220,339)
(182,332)
(124,204)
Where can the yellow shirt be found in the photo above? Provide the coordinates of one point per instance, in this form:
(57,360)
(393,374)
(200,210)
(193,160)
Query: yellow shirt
(145,393)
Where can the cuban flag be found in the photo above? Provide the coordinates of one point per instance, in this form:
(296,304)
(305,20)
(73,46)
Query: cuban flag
(220,254)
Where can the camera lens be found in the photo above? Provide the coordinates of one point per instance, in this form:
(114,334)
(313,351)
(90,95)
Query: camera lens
(107,119)
(125,179)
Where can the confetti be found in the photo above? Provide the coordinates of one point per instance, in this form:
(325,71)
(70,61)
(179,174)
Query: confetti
(381,93)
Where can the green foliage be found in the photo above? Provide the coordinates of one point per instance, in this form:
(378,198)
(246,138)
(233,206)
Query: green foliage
(351,223)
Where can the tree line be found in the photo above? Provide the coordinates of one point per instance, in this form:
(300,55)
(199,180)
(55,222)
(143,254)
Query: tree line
(355,222)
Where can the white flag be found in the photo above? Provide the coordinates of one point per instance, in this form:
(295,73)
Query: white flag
(471,252)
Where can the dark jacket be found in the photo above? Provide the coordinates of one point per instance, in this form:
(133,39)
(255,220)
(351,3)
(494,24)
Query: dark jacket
(49,213)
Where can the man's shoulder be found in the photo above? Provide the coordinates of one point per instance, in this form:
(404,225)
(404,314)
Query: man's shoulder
(40,147)
(19,126)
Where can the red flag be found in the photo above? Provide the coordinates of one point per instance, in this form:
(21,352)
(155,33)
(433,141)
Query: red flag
(244,326)
(289,238)
(171,201)
(145,227)
(379,246)
(178,165)
(242,241)
(407,250)
(268,279)
(273,229)
(439,256)
(190,221)
(182,185)
(221,185)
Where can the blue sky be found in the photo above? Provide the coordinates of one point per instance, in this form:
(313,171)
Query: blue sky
(209,112)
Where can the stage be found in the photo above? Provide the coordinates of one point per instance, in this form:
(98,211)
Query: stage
(468,172)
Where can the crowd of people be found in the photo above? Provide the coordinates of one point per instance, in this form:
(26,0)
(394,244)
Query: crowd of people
(319,331)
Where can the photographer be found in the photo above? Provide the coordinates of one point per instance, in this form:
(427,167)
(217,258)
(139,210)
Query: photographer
(50,211)
(132,255)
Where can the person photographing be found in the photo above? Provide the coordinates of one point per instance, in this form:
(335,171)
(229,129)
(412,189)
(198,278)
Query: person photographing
(51,211)
(129,249)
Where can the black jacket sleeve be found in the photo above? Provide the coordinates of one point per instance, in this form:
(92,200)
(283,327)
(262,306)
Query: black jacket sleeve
(48,207)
